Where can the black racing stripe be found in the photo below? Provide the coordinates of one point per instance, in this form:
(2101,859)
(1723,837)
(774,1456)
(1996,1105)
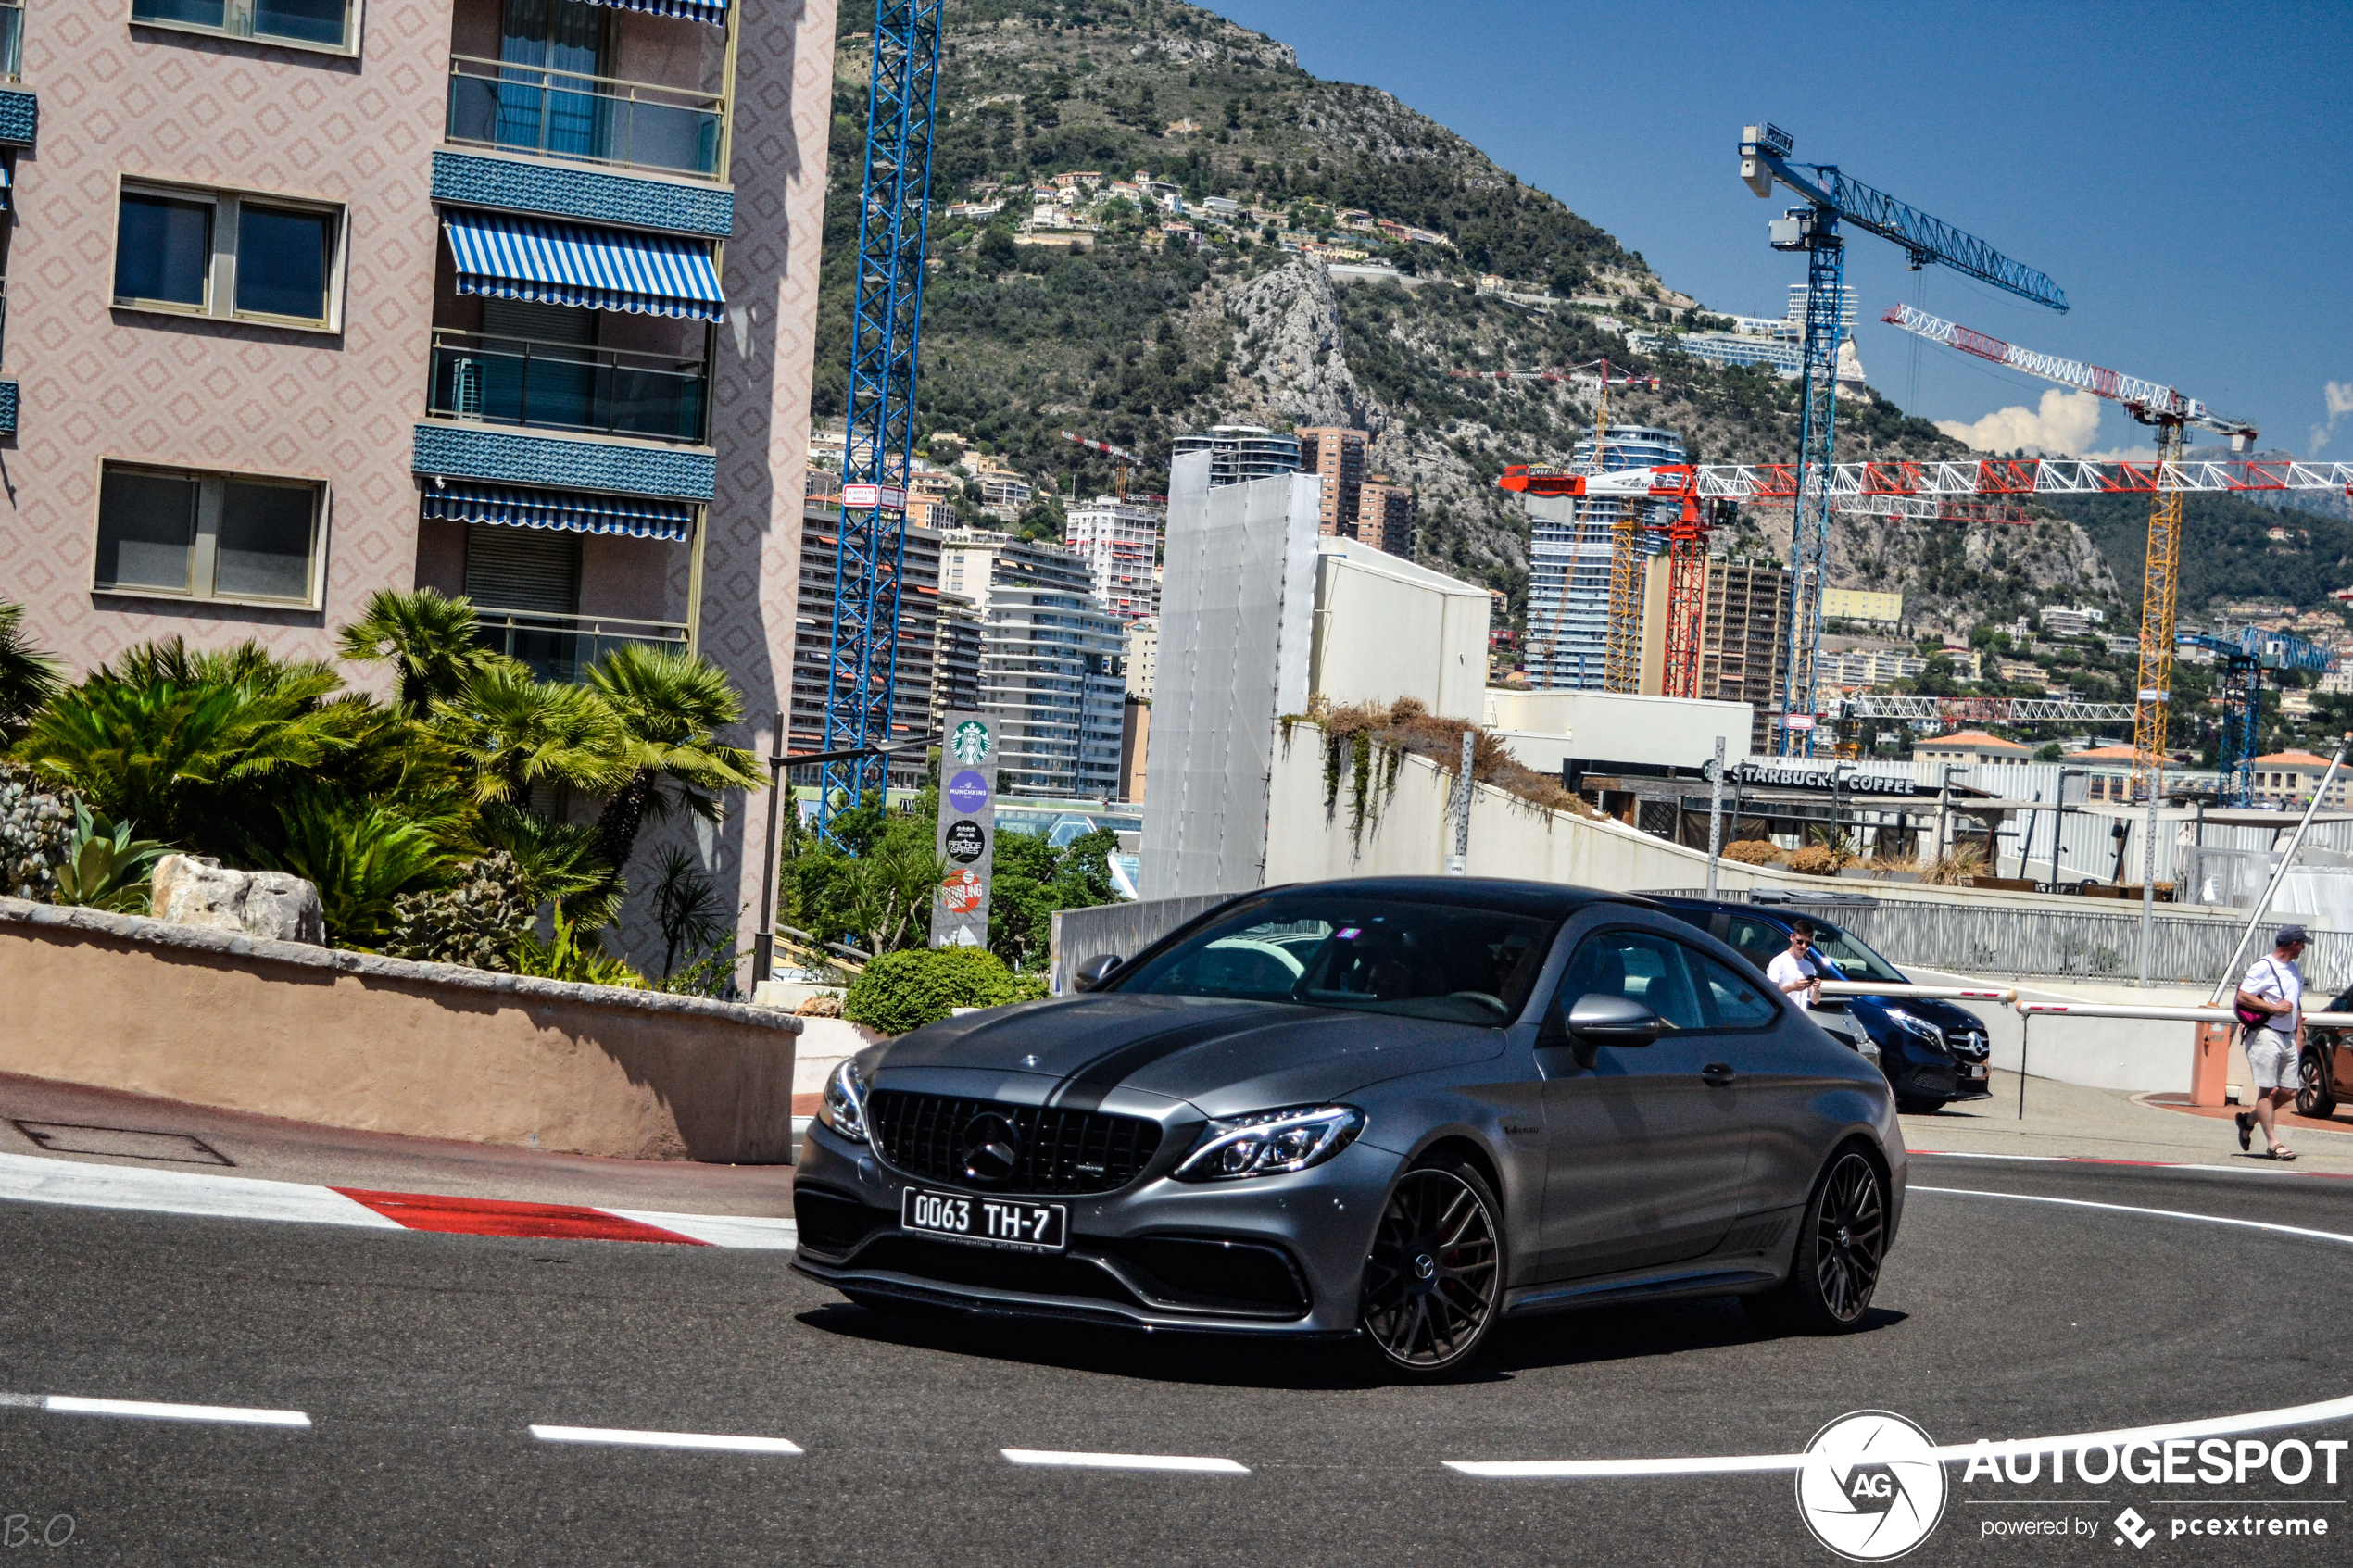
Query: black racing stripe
(1086,1086)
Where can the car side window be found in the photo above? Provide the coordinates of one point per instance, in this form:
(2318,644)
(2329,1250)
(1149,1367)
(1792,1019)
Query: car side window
(1653,971)
(1735,1001)
(1757,941)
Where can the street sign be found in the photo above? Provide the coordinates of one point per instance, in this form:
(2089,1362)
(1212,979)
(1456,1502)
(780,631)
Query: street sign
(859,498)
(967,832)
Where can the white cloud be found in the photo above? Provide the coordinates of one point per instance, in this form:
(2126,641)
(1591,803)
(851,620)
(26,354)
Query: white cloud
(2339,395)
(2061,427)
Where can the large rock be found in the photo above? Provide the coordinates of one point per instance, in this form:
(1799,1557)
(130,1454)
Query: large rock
(276,906)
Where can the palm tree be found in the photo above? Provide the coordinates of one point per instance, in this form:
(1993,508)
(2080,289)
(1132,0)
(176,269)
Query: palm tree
(432,642)
(669,705)
(515,734)
(189,741)
(28,677)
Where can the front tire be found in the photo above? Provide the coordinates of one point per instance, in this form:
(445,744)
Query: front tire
(1434,1278)
(2316,1095)
(1839,1247)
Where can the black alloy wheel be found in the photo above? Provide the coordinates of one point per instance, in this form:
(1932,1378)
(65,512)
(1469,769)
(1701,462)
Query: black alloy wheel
(1839,1251)
(2316,1090)
(1435,1275)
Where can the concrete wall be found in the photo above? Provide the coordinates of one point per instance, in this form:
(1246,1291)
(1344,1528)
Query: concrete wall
(1542,728)
(1386,629)
(351,1040)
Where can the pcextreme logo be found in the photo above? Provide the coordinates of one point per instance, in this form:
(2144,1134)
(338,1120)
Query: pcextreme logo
(1871,1488)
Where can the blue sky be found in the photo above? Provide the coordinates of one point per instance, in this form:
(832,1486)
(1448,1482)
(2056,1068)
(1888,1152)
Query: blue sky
(2185,173)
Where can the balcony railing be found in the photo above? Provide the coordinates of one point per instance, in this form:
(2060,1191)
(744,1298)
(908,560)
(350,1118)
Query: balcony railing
(515,381)
(590,119)
(561,648)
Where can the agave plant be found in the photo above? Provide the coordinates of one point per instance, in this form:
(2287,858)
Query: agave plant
(106,866)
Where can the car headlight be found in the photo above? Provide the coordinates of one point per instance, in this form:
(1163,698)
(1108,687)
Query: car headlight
(1920,1026)
(1270,1143)
(842,1107)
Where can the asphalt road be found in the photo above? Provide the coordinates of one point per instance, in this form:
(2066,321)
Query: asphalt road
(423,1360)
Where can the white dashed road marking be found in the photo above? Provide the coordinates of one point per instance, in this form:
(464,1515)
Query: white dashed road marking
(1125,1461)
(146,1410)
(622,1438)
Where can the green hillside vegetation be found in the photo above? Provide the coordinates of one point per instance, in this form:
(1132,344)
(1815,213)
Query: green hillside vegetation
(2226,554)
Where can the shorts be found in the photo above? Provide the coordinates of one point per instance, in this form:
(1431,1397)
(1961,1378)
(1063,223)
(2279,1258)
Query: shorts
(2273,1064)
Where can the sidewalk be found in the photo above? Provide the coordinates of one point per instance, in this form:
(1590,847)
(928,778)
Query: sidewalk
(2069,1121)
(70,1122)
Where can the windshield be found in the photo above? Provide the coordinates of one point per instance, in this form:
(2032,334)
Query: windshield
(1461,965)
(1854,960)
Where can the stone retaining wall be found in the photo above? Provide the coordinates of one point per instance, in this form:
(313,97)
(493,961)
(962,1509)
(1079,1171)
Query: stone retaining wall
(353,1040)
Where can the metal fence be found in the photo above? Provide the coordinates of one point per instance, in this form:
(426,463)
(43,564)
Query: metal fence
(2068,943)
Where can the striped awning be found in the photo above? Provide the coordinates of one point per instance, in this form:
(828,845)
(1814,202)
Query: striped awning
(571,511)
(711,11)
(508,257)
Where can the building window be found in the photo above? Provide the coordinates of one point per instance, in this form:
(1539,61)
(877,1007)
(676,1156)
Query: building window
(307,24)
(11,40)
(229,254)
(239,537)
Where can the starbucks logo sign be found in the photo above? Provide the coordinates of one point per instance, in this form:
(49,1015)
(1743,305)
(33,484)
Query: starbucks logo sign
(969,743)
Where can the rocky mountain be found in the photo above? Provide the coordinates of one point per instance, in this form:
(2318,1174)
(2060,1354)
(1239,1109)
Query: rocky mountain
(1148,331)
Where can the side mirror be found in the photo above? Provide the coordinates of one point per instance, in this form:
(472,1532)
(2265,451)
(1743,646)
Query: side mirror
(1095,971)
(1598,1020)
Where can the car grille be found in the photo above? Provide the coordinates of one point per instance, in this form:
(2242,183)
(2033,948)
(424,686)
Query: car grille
(1967,1044)
(1061,1151)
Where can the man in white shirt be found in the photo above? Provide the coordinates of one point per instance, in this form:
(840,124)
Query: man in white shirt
(2273,1047)
(1800,971)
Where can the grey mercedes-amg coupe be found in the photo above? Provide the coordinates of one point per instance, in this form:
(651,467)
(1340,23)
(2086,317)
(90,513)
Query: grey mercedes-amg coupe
(1399,1109)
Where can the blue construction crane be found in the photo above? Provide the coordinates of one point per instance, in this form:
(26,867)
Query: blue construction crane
(861,661)
(1830,197)
(2244,657)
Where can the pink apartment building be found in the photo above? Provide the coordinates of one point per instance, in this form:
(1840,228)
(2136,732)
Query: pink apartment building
(308,299)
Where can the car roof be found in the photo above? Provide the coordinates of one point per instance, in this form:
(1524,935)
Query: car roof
(1550,899)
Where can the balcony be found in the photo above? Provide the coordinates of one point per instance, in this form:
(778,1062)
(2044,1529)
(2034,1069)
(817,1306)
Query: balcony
(596,119)
(561,648)
(568,388)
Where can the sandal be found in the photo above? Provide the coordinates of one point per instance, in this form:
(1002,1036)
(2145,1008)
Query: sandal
(2282,1154)
(2246,1132)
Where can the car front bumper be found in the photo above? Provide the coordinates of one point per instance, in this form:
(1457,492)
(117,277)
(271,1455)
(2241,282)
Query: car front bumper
(1269,1255)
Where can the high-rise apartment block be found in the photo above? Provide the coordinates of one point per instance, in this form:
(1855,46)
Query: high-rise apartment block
(1569,549)
(1121,543)
(1050,671)
(955,678)
(1238,453)
(1142,655)
(1740,640)
(508,298)
(914,668)
(1385,517)
(1335,454)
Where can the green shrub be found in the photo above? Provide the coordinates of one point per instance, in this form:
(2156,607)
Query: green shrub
(918,986)
(476,923)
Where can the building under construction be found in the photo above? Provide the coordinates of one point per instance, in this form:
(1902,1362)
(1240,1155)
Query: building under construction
(1568,561)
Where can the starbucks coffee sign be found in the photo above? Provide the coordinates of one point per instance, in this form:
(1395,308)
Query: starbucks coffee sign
(967,834)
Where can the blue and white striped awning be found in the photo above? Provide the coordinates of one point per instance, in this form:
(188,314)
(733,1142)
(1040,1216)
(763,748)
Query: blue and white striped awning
(711,11)
(592,268)
(571,511)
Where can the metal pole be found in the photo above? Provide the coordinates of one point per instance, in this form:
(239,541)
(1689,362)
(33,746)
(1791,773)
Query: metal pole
(2278,875)
(2025,1023)
(2149,886)
(1715,817)
(763,949)
(1458,863)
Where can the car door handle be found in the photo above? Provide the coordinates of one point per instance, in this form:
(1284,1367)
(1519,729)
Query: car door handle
(1715,1075)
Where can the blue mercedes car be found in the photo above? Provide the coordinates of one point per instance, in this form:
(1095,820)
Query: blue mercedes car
(1934,1052)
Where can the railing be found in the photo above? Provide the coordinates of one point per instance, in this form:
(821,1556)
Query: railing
(566,386)
(561,648)
(590,118)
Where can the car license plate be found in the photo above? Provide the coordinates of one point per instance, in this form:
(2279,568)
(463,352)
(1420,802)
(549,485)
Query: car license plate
(1974,1069)
(994,1222)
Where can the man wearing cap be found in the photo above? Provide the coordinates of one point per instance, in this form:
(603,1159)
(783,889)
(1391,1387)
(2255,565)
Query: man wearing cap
(2273,1047)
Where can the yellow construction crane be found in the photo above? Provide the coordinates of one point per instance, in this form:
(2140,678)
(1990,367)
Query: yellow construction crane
(1622,649)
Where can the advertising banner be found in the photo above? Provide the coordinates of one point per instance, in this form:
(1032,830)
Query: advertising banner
(967,838)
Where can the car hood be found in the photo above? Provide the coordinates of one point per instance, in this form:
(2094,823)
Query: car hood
(1225,1057)
(1935,1010)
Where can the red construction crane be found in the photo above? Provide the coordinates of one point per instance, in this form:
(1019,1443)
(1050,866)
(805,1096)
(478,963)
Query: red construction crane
(1121,459)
